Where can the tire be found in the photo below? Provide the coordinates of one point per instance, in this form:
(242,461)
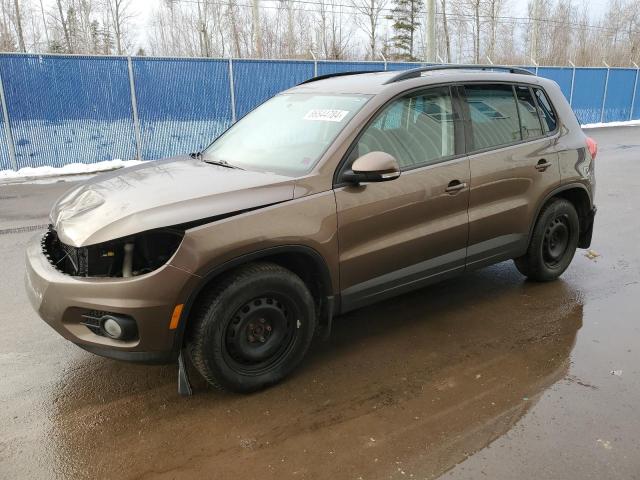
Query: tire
(252,329)
(553,243)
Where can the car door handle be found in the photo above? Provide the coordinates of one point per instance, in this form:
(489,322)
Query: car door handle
(542,165)
(455,186)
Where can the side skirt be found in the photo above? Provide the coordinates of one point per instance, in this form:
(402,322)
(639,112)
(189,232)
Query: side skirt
(433,270)
(496,250)
(403,280)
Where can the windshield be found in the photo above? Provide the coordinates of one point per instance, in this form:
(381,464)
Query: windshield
(287,134)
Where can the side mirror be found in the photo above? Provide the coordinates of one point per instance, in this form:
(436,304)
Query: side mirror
(373,167)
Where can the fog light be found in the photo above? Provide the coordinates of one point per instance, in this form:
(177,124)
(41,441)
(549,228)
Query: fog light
(111,327)
(119,327)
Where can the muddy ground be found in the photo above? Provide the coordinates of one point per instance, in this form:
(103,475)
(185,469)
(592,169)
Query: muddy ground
(485,376)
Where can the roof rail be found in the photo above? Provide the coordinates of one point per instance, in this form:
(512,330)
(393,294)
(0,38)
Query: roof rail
(415,72)
(339,74)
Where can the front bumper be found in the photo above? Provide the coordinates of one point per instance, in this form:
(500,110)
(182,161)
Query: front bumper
(60,300)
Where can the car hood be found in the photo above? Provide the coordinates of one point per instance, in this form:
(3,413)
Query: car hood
(159,194)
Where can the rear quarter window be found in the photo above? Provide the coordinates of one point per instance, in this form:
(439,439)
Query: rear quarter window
(530,122)
(547,115)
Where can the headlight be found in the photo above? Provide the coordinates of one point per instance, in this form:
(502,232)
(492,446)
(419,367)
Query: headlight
(129,256)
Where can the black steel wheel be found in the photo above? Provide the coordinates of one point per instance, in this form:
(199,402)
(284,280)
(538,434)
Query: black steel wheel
(261,333)
(553,242)
(252,329)
(556,240)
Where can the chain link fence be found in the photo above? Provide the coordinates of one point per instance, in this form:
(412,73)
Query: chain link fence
(61,109)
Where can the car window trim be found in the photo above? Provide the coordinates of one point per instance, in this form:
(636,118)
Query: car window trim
(469,126)
(532,93)
(515,99)
(553,109)
(508,145)
(441,160)
(515,94)
(458,130)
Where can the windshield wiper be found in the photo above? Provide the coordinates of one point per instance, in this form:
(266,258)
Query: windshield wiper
(222,163)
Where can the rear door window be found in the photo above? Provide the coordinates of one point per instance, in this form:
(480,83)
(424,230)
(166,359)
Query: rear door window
(494,115)
(529,121)
(547,115)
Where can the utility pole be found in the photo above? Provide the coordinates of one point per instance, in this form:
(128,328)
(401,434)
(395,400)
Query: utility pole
(430,37)
(256,27)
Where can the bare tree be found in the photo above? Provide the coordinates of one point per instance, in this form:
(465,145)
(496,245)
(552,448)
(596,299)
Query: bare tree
(44,23)
(445,28)
(121,16)
(7,42)
(331,36)
(63,23)
(291,33)
(232,17)
(19,26)
(475,5)
(369,14)
(556,32)
(494,8)
(203,31)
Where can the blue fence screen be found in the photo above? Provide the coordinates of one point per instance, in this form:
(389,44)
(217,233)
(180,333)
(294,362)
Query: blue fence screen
(63,109)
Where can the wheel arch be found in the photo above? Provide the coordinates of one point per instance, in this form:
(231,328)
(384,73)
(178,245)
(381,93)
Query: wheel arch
(580,198)
(304,261)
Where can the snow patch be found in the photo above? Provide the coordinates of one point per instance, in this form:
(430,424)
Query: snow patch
(629,123)
(70,169)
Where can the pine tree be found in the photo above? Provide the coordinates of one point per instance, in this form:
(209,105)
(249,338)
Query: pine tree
(406,20)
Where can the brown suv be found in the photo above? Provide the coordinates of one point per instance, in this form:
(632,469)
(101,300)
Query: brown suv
(337,193)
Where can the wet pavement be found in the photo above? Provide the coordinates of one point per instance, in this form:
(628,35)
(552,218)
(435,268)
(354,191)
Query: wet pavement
(484,376)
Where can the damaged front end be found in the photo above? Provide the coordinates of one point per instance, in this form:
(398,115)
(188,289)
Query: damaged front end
(124,257)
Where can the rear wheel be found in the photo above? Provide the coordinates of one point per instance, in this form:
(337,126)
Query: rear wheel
(553,243)
(252,329)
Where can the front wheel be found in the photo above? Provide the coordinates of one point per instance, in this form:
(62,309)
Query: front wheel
(252,329)
(553,243)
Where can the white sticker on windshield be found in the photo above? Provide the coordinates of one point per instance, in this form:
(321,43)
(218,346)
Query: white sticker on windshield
(326,115)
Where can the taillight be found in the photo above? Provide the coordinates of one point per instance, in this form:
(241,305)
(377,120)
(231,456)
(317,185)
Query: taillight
(592,145)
